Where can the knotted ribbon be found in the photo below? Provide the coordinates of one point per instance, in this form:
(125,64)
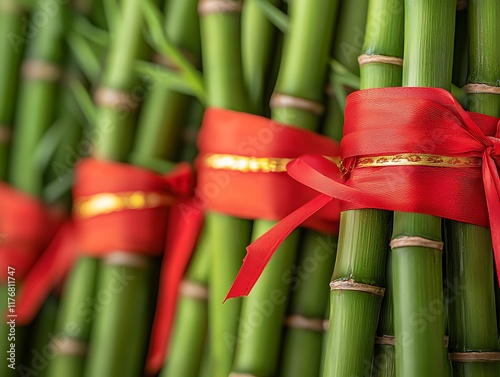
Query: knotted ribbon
(242,167)
(404,149)
(117,207)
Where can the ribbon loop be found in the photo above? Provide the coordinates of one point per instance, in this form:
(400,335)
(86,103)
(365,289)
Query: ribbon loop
(439,175)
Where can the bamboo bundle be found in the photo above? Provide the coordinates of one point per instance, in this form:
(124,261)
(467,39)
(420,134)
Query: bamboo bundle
(303,348)
(428,58)
(228,237)
(297,82)
(363,238)
(32,110)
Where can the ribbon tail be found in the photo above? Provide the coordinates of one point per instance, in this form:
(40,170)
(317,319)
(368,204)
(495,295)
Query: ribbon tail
(182,236)
(46,273)
(491,181)
(260,252)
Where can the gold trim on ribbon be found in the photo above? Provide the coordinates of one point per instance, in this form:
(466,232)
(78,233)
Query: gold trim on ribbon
(246,164)
(416,159)
(105,203)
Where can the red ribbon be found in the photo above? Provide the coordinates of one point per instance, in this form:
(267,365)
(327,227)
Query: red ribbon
(26,228)
(182,236)
(134,230)
(258,195)
(391,121)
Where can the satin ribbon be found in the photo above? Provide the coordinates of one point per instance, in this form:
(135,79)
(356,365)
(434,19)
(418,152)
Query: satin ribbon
(135,230)
(26,228)
(391,121)
(253,192)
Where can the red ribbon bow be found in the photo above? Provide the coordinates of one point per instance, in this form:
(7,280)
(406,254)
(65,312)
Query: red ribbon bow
(392,121)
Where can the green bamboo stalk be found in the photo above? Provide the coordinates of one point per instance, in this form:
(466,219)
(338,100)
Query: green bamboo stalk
(302,74)
(189,338)
(222,66)
(304,349)
(34,110)
(348,41)
(12,43)
(76,311)
(37,100)
(74,318)
(119,333)
(258,42)
(164,110)
(364,234)
(428,58)
(473,322)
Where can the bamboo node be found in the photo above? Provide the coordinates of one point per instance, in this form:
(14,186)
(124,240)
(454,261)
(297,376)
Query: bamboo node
(351,285)
(5,134)
(481,89)
(233,374)
(474,357)
(190,289)
(114,99)
(69,346)
(11,7)
(40,70)
(297,321)
(126,259)
(368,59)
(282,100)
(219,6)
(414,241)
(462,5)
(389,340)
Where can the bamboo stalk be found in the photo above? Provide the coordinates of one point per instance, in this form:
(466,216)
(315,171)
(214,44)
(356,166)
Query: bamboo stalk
(302,74)
(119,333)
(12,46)
(364,234)
(428,58)
(34,111)
(303,348)
(228,237)
(258,44)
(11,15)
(189,338)
(76,310)
(37,100)
(473,322)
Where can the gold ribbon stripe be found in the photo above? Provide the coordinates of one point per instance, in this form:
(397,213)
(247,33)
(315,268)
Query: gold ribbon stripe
(415,159)
(246,164)
(105,203)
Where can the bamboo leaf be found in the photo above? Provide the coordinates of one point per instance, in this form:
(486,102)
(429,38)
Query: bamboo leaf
(84,101)
(165,76)
(57,188)
(161,43)
(112,12)
(344,75)
(459,95)
(91,32)
(85,56)
(47,145)
(279,18)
